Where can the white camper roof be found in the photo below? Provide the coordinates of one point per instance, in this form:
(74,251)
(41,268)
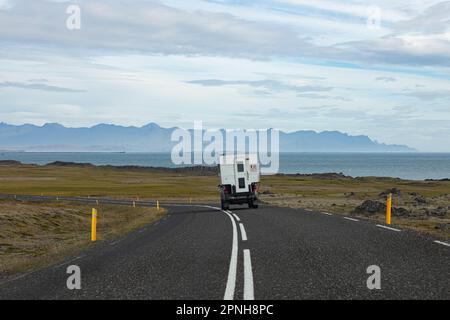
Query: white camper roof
(231,158)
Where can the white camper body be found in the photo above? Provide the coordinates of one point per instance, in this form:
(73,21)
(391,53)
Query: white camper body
(240,176)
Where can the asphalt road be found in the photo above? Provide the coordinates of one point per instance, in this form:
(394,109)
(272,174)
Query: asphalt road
(201,252)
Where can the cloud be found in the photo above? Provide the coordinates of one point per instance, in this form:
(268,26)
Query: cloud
(271,56)
(402,50)
(421,41)
(37,86)
(267,86)
(148,27)
(323,97)
(5,4)
(436,19)
(283,114)
(428,95)
(386,79)
(154,28)
(345,8)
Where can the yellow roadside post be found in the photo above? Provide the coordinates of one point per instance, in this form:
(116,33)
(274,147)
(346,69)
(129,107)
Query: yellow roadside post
(157,205)
(134,204)
(94,225)
(190,200)
(389,209)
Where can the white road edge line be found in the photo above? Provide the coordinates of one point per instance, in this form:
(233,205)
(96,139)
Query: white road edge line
(67,262)
(327,213)
(243,233)
(231,283)
(443,243)
(35,271)
(237,218)
(18,277)
(351,219)
(388,228)
(248,277)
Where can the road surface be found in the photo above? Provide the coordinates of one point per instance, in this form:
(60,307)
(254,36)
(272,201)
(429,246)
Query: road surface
(201,252)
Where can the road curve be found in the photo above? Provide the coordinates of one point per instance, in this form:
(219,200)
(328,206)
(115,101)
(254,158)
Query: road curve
(201,252)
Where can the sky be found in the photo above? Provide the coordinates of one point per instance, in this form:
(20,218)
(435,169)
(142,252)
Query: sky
(377,68)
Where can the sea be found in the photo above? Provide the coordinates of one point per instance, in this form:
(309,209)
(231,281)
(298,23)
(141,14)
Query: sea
(414,166)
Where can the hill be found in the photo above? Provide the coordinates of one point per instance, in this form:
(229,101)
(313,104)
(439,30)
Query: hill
(153,138)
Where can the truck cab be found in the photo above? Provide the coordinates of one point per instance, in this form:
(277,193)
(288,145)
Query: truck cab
(240,178)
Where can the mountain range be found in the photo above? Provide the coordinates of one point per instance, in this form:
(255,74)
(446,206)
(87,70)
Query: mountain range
(53,137)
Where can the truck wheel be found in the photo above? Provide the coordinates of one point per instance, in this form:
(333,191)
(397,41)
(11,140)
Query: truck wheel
(225,205)
(255,206)
(250,204)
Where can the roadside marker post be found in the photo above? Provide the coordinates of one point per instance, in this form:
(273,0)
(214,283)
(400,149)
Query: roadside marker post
(96,201)
(157,205)
(134,204)
(389,209)
(94,225)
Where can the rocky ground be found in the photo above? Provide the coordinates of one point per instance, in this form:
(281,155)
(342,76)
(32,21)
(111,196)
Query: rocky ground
(419,205)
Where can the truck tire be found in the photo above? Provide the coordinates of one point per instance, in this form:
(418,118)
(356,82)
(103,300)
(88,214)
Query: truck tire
(252,204)
(225,205)
(223,201)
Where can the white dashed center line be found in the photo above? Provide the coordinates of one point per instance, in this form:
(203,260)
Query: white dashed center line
(443,243)
(388,228)
(243,233)
(237,218)
(248,277)
(351,219)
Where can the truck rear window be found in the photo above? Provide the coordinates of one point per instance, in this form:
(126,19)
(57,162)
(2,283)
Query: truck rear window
(240,167)
(241,183)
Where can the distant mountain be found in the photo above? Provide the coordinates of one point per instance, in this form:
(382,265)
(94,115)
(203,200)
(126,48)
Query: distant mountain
(334,141)
(153,138)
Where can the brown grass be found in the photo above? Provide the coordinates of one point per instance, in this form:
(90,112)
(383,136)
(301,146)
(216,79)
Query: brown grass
(35,234)
(338,195)
(343,195)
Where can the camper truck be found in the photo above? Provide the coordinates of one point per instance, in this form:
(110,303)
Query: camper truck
(240,176)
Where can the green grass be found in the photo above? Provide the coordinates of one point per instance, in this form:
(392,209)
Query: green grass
(111,182)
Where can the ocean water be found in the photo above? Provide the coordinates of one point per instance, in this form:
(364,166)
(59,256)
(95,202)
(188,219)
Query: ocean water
(416,166)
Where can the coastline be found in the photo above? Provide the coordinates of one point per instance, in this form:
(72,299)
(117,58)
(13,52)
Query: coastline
(202,170)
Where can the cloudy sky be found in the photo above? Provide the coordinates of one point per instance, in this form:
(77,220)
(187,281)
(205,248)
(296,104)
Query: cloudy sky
(379,68)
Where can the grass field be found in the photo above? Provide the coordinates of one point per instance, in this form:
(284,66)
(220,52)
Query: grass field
(428,202)
(102,182)
(35,234)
